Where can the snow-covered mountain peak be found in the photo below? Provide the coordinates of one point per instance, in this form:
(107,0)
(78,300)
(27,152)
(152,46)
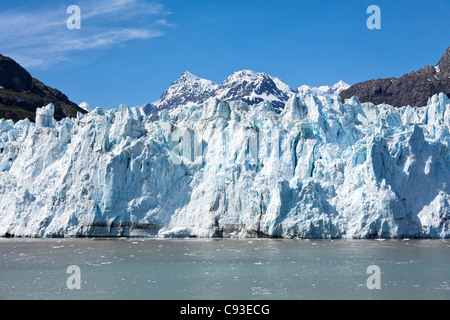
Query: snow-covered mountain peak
(190,79)
(245,85)
(244,75)
(337,88)
(188,75)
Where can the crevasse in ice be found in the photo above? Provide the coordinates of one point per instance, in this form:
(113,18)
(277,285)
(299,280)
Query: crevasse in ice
(320,169)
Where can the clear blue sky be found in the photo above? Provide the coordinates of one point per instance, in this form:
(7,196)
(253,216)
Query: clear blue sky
(129,51)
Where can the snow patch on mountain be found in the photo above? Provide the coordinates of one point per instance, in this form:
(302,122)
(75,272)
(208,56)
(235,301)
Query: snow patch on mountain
(245,85)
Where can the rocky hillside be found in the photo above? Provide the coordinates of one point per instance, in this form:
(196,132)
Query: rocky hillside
(412,89)
(21,94)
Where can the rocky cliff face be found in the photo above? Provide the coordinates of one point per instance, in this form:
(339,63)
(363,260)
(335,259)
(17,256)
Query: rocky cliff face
(412,89)
(21,95)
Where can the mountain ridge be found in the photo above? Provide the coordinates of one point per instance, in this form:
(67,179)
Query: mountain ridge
(318,170)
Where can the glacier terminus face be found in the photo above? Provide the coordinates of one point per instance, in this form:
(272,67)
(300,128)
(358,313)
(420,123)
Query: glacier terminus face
(319,169)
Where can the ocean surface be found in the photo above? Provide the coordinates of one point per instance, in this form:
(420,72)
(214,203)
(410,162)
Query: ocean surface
(250,269)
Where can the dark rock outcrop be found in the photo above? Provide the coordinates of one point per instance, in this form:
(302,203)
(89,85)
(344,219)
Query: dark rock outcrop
(21,94)
(13,77)
(412,89)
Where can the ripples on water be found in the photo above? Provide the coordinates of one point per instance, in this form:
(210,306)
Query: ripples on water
(224,269)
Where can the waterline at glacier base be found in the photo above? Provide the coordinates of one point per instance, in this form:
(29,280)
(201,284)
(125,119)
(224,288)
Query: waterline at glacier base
(319,169)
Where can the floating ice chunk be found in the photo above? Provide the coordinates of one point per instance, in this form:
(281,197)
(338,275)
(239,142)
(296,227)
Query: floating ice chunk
(44,116)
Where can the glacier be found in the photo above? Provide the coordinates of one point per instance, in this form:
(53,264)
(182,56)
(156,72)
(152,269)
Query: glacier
(322,168)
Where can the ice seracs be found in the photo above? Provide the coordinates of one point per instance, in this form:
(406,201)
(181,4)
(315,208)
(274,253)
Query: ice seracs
(253,88)
(336,89)
(246,85)
(187,90)
(322,168)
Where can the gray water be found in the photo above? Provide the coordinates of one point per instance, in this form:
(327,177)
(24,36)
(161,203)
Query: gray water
(224,269)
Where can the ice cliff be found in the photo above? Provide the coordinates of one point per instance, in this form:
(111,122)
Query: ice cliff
(320,169)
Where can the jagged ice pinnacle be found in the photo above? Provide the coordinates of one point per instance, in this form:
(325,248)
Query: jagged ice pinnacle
(319,169)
